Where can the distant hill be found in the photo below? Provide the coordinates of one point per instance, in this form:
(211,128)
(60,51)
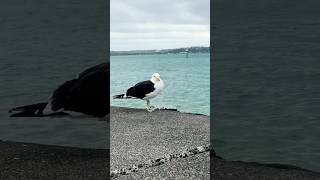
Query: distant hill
(162,51)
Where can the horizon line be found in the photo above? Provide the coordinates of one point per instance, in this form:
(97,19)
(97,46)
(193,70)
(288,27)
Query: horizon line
(159,49)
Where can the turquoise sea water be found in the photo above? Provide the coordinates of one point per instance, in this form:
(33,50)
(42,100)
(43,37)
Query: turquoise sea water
(187,80)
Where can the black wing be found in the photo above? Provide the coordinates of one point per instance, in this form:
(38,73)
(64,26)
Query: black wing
(141,89)
(89,93)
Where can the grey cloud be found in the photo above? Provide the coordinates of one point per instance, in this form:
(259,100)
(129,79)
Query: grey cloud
(159,23)
(162,11)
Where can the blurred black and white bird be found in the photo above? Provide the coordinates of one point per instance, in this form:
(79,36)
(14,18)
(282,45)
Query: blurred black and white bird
(88,94)
(144,90)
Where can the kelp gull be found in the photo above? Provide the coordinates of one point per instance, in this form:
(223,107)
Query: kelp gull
(144,90)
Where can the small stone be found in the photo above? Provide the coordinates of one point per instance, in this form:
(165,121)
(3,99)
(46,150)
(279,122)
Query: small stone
(201,149)
(167,157)
(123,172)
(114,173)
(194,151)
(187,153)
(148,163)
(173,156)
(134,169)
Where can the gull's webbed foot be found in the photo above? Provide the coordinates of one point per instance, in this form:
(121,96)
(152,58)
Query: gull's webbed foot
(151,108)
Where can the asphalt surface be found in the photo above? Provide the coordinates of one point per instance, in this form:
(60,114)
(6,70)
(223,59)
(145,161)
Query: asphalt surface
(33,161)
(138,136)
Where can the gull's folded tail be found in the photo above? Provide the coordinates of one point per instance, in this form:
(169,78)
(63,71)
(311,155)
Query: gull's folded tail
(119,96)
(28,110)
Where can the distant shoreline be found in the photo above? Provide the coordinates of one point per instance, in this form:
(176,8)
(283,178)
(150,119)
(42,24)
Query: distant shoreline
(162,51)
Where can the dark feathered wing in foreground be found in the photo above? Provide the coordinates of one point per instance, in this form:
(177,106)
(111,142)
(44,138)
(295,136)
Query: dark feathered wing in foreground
(88,94)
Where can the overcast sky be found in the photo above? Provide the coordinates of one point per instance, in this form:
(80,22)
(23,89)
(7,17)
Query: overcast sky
(159,24)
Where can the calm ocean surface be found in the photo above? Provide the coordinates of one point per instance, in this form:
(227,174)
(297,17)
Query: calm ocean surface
(187,80)
(266,85)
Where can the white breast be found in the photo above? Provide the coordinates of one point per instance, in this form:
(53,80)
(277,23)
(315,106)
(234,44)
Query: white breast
(159,85)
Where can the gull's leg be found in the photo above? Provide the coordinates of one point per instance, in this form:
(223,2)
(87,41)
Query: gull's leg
(148,104)
(149,107)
